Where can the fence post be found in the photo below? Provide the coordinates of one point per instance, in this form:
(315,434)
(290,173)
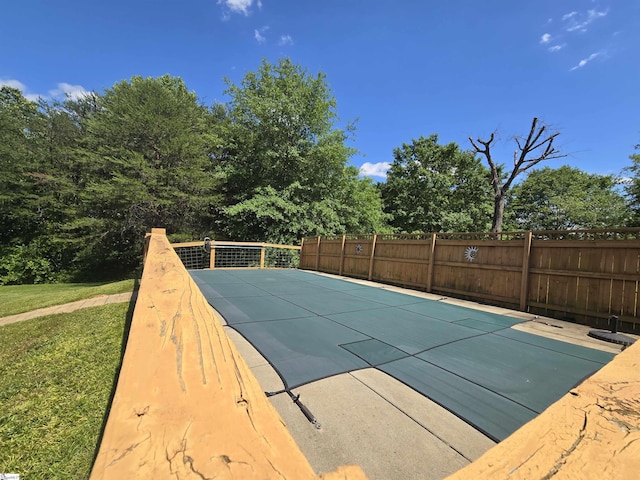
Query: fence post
(344,237)
(318,254)
(524,282)
(147,239)
(373,252)
(212,257)
(432,250)
(262,249)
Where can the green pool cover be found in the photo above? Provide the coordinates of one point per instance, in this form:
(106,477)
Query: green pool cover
(309,327)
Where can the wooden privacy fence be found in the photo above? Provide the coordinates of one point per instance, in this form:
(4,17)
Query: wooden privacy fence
(581,275)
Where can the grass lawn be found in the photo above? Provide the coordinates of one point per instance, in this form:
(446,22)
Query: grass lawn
(24,298)
(56,376)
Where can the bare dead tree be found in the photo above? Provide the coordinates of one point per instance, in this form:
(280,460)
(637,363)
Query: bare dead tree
(537,146)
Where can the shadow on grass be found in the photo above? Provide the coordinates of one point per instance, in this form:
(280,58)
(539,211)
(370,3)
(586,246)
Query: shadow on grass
(123,347)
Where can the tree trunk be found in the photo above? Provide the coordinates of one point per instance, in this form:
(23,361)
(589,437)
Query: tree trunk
(532,147)
(498,213)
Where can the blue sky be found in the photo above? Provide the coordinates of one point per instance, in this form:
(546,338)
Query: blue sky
(400,68)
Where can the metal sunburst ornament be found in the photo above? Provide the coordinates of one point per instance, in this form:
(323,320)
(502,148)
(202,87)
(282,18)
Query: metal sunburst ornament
(471,253)
(358,249)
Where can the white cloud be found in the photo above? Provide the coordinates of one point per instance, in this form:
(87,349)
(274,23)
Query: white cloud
(10,82)
(375,169)
(573,22)
(18,85)
(576,21)
(285,40)
(584,61)
(258,34)
(239,6)
(73,92)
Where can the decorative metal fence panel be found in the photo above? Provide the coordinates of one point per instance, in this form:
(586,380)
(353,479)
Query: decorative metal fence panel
(193,257)
(275,257)
(212,254)
(237,257)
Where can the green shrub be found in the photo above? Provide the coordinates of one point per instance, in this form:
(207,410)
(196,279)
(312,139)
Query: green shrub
(25,264)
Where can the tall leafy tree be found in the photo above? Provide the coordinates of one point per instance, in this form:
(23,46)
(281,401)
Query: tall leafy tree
(280,216)
(532,149)
(286,161)
(37,149)
(633,189)
(360,205)
(149,149)
(56,183)
(284,130)
(287,214)
(19,119)
(432,188)
(566,198)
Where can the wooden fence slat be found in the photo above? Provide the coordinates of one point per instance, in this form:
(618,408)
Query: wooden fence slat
(432,260)
(344,238)
(373,253)
(318,254)
(524,282)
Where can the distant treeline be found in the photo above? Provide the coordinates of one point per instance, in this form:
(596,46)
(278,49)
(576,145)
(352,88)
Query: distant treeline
(82,180)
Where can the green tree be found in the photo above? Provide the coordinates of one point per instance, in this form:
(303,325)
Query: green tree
(280,216)
(148,151)
(360,205)
(633,189)
(19,118)
(536,147)
(36,147)
(566,198)
(283,130)
(434,188)
(57,182)
(286,215)
(285,160)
